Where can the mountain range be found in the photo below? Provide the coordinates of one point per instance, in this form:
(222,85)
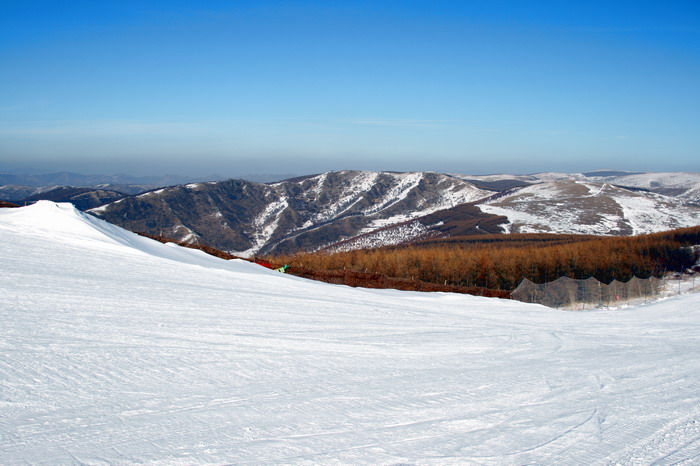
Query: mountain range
(347,210)
(299,214)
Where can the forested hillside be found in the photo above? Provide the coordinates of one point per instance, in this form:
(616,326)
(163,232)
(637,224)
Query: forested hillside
(502,261)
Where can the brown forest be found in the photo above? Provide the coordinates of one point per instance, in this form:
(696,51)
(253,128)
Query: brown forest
(500,262)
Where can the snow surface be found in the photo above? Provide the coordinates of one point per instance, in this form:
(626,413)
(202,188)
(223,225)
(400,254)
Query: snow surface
(117,349)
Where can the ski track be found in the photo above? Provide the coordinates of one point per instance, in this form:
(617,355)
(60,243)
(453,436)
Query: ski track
(115,349)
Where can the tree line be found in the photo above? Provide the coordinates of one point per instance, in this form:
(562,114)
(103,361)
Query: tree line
(500,262)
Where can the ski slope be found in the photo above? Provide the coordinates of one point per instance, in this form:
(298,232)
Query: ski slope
(115,349)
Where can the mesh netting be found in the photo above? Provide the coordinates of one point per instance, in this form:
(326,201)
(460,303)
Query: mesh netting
(569,293)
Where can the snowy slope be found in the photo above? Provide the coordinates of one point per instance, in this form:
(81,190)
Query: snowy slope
(683,186)
(118,350)
(570,206)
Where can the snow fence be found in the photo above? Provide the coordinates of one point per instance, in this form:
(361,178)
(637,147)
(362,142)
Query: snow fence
(569,293)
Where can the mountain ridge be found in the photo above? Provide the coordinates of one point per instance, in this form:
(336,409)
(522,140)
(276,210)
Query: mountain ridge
(349,209)
(304,213)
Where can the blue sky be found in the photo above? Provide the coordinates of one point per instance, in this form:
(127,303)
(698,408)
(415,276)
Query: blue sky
(241,87)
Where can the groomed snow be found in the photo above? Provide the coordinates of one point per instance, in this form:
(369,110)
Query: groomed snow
(115,349)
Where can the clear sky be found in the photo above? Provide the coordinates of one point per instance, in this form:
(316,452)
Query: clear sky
(241,87)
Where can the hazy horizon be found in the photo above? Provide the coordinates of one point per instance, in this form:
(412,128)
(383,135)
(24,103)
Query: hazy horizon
(154,87)
(223,172)
(277,176)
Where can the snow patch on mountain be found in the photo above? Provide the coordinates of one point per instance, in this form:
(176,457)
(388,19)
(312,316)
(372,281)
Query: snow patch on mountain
(265,226)
(646,214)
(349,194)
(353,195)
(151,193)
(404,184)
(399,234)
(449,197)
(188,236)
(320,181)
(102,208)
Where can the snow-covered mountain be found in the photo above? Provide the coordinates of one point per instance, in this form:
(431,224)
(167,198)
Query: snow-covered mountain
(683,186)
(352,209)
(116,349)
(570,206)
(604,202)
(305,213)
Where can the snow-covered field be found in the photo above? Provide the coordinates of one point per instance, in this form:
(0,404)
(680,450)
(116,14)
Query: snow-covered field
(115,349)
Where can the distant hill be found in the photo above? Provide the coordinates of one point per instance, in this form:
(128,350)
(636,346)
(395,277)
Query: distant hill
(62,186)
(82,198)
(575,206)
(608,173)
(24,188)
(77,179)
